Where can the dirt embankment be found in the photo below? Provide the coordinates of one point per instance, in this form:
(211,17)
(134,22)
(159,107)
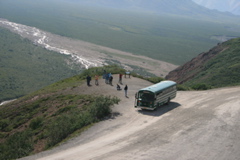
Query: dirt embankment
(195,125)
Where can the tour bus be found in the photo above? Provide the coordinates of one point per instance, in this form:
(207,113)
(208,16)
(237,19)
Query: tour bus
(155,95)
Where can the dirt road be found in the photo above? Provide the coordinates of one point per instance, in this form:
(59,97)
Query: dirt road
(196,125)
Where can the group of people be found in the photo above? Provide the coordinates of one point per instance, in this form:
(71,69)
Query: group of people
(108,80)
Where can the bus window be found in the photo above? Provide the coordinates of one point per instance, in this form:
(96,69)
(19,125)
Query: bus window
(146,96)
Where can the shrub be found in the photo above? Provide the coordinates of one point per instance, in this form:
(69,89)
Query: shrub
(150,79)
(59,129)
(200,86)
(18,145)
(36,123)
(65,109)
(76,118)
(101,107)
(4,124)
(155,79)
(182,88)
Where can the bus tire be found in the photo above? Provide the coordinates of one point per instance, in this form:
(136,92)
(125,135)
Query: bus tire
(168,101)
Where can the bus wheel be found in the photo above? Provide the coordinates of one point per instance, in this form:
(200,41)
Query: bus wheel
(168,100)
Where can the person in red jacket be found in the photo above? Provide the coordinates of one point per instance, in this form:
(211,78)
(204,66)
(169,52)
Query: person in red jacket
(120,78)
(96,80)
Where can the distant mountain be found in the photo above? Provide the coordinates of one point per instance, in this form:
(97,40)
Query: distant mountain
(177,7)
(232,6)
(219,67)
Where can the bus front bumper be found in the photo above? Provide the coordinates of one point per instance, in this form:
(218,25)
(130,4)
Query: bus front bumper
(147,108)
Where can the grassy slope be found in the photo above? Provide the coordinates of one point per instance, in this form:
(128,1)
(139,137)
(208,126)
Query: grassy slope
(223,70)
(25,68)
(168,38)
(45,118)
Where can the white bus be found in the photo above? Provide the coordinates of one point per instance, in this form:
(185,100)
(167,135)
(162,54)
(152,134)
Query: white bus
(155,95)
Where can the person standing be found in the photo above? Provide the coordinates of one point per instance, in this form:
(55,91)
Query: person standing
(120,78)
(110,80)
(107,78)
(88,80)
(125,90)
(96,80)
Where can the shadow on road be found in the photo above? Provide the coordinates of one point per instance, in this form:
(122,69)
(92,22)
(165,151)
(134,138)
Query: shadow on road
(113,115)
(160,110)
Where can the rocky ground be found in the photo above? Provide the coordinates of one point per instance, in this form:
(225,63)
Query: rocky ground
(195,125)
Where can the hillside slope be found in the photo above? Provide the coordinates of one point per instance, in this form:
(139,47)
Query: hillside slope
(219,67)
(25,67)
(46,117)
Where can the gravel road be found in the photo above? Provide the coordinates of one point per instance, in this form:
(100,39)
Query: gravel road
(196,125)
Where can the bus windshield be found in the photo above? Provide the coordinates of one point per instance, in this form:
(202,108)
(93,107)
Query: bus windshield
(146,96)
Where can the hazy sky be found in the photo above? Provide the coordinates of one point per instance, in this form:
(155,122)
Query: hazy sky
(232,6)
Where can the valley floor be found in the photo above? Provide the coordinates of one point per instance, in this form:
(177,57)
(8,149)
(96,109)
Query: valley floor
(195,125)
(88,54)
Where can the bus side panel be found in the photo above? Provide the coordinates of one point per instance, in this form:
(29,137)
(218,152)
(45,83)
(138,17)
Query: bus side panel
(163,98)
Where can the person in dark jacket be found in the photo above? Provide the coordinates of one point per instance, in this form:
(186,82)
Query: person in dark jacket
(107,78)
(125,90)
(110,80)
(89,80)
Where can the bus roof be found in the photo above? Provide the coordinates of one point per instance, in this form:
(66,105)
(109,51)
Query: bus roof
(159,86)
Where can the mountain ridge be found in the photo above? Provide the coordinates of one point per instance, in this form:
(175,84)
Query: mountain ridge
(180,7)
(232,6)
